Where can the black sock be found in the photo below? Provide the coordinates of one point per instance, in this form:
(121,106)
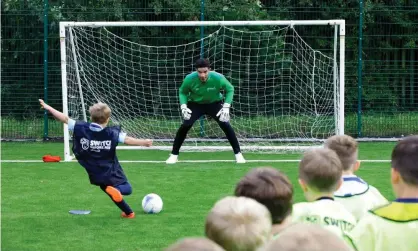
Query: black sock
(122,205)
(179,139)
(230,135)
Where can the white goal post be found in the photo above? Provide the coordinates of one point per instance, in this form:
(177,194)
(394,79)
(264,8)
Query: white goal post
(288,95)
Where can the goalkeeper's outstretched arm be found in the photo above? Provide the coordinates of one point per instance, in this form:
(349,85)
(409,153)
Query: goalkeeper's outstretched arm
(57,114)
(229,90)
(184,92)
(223,114)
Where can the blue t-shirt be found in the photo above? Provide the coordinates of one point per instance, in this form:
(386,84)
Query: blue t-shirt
(95,149)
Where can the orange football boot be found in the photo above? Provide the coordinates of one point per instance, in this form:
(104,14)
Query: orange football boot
(129,216)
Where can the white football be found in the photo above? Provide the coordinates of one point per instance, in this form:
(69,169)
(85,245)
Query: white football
(152,203)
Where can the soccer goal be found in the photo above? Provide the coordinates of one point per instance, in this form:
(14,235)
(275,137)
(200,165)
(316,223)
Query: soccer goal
(289,95)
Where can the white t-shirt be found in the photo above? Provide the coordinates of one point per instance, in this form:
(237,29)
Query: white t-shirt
(358,196)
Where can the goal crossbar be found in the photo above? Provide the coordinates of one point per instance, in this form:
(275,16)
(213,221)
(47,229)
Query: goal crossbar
(208,23)
(339,22)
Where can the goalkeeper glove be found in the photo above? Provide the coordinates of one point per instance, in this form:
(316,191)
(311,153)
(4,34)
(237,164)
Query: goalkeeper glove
(223,114)
(186,112)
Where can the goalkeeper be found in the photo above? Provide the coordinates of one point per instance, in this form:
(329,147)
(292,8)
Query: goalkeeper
(200,95)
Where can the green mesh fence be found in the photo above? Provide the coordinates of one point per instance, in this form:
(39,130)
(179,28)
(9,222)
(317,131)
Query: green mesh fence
(380,102)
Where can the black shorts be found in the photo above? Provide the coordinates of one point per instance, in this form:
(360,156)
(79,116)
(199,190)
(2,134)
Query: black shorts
(198,110)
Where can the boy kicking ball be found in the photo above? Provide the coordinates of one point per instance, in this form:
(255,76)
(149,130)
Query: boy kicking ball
(94,146)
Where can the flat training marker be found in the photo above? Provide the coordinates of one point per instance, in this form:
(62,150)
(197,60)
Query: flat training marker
(79,212)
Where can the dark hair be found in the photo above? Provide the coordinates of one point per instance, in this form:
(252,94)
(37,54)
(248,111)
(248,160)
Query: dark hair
(269,187)
(202,62)
(405,159)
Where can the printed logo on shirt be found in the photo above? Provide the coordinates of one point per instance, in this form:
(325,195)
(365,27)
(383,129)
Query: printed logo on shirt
(84,143)
(97,145)
(312,218)
(211,89)
(344,225)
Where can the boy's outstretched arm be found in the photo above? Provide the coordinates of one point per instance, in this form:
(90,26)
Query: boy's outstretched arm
(57,114)
(137,142)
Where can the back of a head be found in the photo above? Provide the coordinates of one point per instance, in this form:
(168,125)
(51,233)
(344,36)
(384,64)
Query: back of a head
(321,169)
(238,224)
(405,159)
(306,237)
(202,63)
(346,148)
(269,187)
(193,244)
(99,113)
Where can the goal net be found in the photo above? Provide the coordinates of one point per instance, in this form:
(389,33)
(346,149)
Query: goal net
(288,95)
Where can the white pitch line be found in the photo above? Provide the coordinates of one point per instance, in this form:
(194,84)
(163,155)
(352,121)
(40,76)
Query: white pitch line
(190,161)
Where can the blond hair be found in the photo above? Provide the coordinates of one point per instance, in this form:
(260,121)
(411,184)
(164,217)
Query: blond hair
(306,237)
(238,224)
(321,169)
(269,187)
(99,113)
(194,243)
(346,148)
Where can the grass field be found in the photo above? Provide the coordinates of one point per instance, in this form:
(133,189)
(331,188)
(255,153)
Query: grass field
(36,197)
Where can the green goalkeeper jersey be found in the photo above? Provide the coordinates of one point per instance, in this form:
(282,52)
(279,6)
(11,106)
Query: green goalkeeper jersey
(193,90)
(393,227)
